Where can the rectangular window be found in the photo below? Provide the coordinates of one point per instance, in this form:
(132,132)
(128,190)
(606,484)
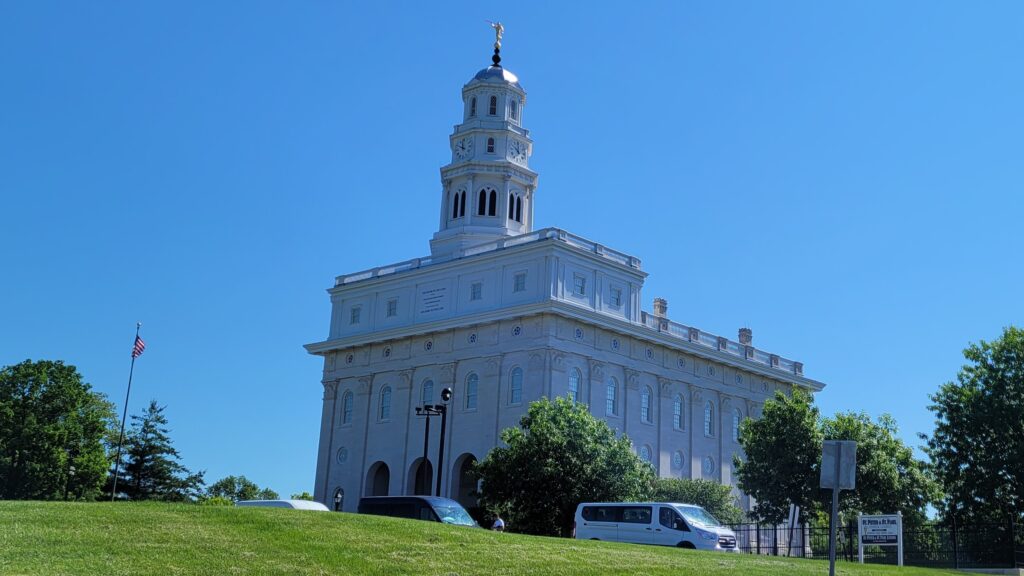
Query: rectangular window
(476,291)
(579,285)
(353,315)
(616,297)
(519,282)
(392,307)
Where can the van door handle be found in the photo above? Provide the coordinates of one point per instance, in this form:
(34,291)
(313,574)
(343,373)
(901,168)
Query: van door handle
(657,529)
(648,527)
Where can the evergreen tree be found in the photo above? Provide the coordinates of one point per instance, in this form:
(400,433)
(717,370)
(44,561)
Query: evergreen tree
(152,470)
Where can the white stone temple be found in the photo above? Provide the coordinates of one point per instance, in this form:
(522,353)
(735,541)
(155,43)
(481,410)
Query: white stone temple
(503,315)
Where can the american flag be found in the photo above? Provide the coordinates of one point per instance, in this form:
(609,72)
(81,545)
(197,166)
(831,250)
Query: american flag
(138,348)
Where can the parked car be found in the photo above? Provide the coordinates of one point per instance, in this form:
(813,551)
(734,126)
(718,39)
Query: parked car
(429,508)
(293,504)
(661,523)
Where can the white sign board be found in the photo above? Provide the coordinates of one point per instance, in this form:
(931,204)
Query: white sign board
(839,464)
(880,530)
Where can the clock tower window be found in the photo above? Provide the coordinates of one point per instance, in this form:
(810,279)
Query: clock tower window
(511,206)
(490,145)
(472,107)
(459,205)
(481,203)
(492,110)
(519,209)
(493,204)
(513,110)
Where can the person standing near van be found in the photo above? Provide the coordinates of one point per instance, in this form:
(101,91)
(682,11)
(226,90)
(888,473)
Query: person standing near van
(499,524)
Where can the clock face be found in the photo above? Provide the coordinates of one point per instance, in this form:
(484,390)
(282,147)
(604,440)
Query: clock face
(463,148)
(517,151)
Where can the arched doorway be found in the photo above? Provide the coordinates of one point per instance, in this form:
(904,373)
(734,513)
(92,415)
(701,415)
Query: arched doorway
(463,481)
(339,500)
(378,479)
(421,478)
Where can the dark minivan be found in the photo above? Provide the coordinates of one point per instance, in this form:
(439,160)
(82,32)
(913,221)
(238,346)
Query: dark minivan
(429,508)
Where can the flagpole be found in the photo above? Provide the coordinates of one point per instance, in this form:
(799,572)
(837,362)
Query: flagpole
(124,416)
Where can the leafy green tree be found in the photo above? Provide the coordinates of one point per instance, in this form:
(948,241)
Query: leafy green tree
(53,432)
(783,454)
(889,478)
(239,488)
(152,471)
(716,498)
(559,456)
(977,448)
(302,496)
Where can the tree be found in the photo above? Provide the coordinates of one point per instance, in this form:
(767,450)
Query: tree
(977,448)
(783,453)
(302,496)
(239,488)
(53,429)
(152,471)
(559,456)
(889,478)
(716,498)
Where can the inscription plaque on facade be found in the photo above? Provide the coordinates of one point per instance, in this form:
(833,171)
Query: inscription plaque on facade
(432,299)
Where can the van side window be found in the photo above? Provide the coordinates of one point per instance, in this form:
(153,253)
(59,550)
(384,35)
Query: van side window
(669,518)
(636,514)
(426,513)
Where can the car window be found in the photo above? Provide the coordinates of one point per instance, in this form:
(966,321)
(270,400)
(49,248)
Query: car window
(698,515)
(601,513)
(669,518)
(636,514)
(454,514)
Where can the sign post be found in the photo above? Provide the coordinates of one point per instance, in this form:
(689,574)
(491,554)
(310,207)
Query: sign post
(838,472)
(880,530)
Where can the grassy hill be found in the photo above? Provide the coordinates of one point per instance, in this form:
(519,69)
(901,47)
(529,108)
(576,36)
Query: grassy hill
(38,538)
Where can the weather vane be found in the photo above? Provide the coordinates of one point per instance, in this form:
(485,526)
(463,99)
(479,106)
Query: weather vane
(498,31)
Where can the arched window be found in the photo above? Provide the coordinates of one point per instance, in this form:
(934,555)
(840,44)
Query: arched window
(709,419)
(493,108)
(519,210)
(462,204)
(472,384)
(574,384)
(645,405)
(677,413)
(736,419)
(385,403)
(515,389)
(472,107)
(346,407)
(511,206)
(339,500)
(490,145)
(611,401)
(427,394)
(481,204)
(455,206)
(645,453)
(492,205)
(513,109)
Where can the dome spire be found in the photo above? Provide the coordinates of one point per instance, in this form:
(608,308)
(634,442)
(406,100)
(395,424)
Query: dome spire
(498,31)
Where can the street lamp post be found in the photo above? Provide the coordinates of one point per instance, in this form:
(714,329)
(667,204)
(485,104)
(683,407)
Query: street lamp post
(446,396)
(426,411)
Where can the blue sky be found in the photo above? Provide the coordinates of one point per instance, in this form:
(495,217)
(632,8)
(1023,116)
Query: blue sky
(845,179)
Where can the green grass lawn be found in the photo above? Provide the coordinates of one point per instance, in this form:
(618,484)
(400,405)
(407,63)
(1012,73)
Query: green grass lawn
(52,538)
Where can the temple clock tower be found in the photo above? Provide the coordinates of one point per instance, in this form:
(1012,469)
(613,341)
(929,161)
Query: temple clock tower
(487,188)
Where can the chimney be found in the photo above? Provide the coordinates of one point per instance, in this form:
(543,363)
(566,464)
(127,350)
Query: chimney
(746,336)
(660,308)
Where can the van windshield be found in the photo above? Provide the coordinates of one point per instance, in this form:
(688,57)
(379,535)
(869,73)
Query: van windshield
(698,515)
(454,515)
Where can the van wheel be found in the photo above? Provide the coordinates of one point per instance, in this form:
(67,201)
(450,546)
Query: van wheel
(687,545)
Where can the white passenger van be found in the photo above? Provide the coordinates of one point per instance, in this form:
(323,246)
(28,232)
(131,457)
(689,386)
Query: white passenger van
(293,504)
(662,523)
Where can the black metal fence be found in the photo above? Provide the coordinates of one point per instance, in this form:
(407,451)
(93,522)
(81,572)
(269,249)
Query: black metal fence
(996,545)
